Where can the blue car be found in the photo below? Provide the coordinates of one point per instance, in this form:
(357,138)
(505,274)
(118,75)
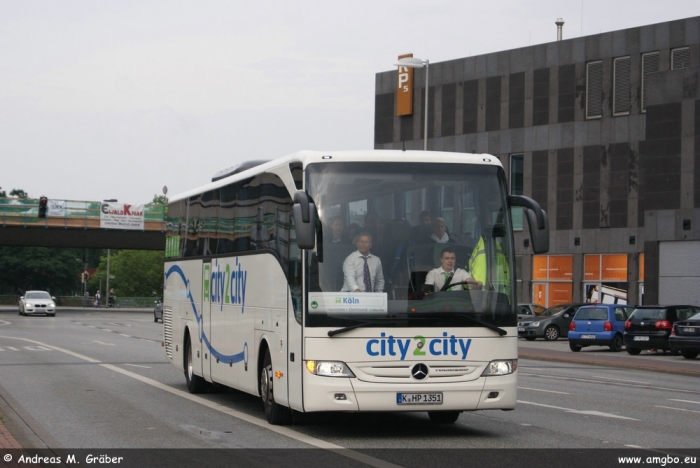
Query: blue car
(599,325)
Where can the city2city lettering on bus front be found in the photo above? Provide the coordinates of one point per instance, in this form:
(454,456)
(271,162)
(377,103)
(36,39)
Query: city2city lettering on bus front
(404,89)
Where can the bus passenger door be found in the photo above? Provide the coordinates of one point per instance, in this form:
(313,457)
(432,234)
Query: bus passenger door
(295,365)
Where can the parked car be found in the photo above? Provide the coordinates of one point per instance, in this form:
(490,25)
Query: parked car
(649,327)
(37,302)
(550,324)
(158,311)
(599,325)
(526,311)
(685,337)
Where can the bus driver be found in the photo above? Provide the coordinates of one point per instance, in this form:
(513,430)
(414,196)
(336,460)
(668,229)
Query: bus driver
(362,271)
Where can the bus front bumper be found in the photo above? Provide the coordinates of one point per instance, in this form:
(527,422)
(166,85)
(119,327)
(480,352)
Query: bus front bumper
(352,394)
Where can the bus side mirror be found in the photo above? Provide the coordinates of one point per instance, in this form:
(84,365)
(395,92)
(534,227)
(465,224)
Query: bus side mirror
(304,220)
(537,221)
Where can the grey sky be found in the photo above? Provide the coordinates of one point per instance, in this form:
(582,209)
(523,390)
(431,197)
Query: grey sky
(114,99)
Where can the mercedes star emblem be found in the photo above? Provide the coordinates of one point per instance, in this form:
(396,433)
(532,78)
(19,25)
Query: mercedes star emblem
(419,371)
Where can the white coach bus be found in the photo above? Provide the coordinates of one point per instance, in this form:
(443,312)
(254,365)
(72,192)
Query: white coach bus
(256,297)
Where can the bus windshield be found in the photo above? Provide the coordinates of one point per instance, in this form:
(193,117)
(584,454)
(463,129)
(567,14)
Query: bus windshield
(410,242)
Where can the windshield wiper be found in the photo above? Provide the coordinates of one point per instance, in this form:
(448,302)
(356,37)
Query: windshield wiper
(332,333)
(490,326)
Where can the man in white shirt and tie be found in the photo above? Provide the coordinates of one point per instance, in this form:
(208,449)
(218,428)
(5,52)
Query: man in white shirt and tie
(362,271)
(437,277)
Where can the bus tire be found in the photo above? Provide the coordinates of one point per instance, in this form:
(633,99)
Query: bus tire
(443,417)
(195,384)
(275,413)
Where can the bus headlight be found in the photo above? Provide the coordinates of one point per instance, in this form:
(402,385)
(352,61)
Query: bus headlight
(504,367)
(329,368)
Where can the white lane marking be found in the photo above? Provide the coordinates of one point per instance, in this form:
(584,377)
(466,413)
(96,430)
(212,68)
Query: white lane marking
(122,334)
(5,322)
(571,410)
(337,449)
(633,446)
(620,380)
(105,329)
(685,401)
(104,344)
(540,390)
(621,384)
(678,409)
(136,365)
(37,348)
(12,349)
(91,326)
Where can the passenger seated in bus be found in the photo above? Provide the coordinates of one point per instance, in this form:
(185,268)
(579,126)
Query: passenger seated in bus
(422,232)
(440,235)
(336,230)
(362,271)
(439,276)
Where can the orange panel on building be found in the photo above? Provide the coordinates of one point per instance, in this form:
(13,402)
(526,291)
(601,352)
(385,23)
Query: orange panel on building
(591,271)
(539,294)
(641,267)
(539,267)
(561,267)
(614,267)
(560,293)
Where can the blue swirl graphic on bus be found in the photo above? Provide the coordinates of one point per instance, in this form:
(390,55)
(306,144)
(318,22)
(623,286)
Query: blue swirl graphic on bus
(220,358)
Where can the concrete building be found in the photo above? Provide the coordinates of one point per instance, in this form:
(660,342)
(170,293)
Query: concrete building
(603,131)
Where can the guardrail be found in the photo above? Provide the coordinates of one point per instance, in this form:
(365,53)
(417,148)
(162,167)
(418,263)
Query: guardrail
(82,301)
(86,214)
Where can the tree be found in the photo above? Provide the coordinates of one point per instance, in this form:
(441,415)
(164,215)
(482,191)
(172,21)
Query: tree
(19,193)
(3,194)
(159,200)
(53,270)
(137,273)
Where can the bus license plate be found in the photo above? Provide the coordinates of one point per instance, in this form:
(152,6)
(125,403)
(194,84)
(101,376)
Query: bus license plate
(641,338)
(588,337)
(419,398)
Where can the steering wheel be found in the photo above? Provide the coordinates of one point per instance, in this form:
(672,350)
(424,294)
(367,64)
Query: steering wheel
(447,286)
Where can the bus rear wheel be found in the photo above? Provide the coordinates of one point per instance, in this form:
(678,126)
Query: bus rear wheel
(195,384)
(443,417)
(274,413)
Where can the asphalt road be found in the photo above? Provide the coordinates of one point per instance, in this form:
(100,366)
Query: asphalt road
(100,379)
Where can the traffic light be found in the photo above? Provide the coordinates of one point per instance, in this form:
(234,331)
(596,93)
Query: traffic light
(43,201)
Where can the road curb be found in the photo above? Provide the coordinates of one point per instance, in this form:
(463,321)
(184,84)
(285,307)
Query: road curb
(629,362)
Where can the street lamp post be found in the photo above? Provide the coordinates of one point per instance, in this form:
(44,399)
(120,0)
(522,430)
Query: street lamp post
(415,62)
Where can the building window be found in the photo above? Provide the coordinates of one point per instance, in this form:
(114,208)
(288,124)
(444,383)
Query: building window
(650,64)
(552,277)
(621,86)
(516,188)
(605,278)
(594,90)
(680,58)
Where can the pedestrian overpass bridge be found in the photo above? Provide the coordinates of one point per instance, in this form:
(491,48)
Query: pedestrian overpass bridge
(79,226)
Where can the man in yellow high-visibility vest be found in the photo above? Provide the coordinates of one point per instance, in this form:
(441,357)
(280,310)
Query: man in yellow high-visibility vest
(477,267)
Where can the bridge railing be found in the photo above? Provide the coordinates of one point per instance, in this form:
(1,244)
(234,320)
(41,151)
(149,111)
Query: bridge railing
(82,301)
(25,211)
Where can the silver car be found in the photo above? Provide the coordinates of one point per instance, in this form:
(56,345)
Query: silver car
(37,302)
(158,311)
(550,324)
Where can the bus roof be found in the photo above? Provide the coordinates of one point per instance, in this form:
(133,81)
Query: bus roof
(307,157)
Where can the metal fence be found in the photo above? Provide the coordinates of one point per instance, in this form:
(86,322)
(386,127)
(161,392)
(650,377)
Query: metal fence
(82,301)
(26,211)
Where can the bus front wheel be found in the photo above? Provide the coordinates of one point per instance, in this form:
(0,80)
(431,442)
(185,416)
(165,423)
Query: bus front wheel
(275,413)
